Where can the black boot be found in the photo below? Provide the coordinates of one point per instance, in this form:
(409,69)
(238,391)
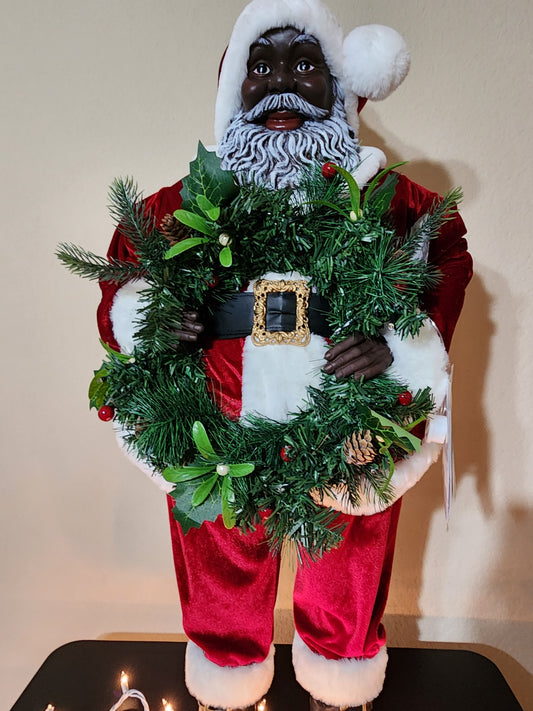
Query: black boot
(316,705)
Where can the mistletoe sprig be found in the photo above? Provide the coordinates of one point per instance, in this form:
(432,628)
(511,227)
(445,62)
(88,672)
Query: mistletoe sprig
(205,188)
(220,475)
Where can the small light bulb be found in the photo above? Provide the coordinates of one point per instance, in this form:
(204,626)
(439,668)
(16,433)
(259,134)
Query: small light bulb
(261,706)
(124,682)
(167,706)
(50,707)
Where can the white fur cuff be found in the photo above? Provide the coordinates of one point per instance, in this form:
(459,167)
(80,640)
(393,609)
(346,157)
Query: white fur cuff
(156,477)
(226,687)
(342,682)
(125,314)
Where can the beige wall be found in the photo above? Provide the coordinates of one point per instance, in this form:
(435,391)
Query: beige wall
(92,90)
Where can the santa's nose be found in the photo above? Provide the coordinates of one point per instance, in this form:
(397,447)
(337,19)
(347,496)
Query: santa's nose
(281,81)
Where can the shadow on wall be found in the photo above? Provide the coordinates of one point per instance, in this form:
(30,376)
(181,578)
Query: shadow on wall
(472,351)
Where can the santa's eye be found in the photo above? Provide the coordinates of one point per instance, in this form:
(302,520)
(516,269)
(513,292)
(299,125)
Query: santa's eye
(261,68)
(304,66)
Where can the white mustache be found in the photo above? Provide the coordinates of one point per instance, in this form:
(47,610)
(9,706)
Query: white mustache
(285,102)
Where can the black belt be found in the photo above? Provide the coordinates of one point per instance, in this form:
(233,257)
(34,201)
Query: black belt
(235,317)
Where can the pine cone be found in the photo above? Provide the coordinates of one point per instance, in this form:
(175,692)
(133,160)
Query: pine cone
(358,448)
(173,230)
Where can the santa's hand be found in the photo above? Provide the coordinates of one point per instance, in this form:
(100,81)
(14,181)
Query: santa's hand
(358,356)
(190,327)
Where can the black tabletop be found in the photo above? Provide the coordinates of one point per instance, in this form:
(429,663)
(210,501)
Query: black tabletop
(85,676)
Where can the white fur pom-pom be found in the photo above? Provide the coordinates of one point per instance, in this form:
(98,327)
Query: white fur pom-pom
(376,61)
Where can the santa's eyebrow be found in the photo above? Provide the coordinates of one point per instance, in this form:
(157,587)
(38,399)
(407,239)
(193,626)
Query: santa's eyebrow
(305,39)
(260,42)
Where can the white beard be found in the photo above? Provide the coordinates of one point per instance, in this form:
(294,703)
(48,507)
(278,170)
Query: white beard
(276,159)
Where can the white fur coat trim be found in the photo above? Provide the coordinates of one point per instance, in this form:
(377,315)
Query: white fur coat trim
(125,314)
(275,377)
(419,362)
(155,476)
(226,687)
(342,682)
(372,160)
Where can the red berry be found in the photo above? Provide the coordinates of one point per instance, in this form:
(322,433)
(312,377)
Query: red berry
(285,454)
(405,398)
(328,170)
(105,413)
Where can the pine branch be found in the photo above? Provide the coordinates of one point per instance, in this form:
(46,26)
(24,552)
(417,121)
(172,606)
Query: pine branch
(127,209)
(442,210)
(91,266)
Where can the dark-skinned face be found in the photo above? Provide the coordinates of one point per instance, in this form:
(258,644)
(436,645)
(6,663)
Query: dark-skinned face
(287,61)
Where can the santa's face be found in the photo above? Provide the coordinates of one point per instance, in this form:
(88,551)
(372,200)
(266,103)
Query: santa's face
(292,116)
(286,61)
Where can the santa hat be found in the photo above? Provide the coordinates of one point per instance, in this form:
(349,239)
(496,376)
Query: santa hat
(369,63)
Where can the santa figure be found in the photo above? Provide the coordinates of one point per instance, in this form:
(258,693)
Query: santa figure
(290,89)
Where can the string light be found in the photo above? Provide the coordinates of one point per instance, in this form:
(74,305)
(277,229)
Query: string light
(50,707)
(261,706)
(128,693)
(167,706)
(124,682)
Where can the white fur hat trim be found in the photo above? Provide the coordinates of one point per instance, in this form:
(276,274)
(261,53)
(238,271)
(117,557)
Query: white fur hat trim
(371,64)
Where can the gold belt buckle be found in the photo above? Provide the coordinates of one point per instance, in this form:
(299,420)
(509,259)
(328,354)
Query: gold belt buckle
(301,334)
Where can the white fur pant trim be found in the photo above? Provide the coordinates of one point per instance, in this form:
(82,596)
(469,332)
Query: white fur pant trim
(342,682)
(226,687)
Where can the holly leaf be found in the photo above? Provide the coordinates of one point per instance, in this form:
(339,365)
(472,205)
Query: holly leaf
(100,396)
(207,178)
(122,357)
(372,185)
(184,245)
(98,388)
(203,490)
(189,516)
(179,474)
(404,438)
(381,197)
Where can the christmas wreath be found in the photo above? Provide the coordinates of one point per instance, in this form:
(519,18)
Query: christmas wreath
(223,236)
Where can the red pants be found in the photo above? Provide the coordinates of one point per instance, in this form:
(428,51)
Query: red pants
(228,582)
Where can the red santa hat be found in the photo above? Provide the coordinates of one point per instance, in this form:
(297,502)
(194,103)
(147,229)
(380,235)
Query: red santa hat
(369,63)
